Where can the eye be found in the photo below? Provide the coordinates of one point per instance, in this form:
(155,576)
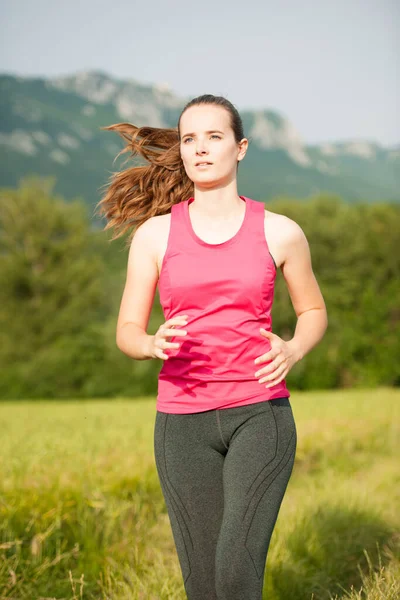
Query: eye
(190,138)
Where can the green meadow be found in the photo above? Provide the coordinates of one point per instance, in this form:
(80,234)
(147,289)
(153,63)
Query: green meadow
(82,514)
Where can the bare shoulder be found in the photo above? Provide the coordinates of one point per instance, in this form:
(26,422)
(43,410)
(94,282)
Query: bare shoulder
(145,232)
(160,222)
(160,225)
(157,232)
(146,236)
(282,227)
(282,234)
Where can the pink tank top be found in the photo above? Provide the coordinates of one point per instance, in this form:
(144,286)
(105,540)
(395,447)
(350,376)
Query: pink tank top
(227,291)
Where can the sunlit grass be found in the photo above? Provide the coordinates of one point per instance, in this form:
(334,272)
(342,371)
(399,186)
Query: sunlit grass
(82,515)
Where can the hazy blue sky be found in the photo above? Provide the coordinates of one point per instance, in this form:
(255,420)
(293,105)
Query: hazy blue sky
(331,67)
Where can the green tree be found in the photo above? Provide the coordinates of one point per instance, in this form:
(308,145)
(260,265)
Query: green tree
(51,293)
(356,261)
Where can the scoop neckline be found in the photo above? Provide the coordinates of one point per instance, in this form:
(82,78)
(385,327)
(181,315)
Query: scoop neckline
(220,244)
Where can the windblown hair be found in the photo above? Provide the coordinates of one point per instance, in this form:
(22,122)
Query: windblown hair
(138,193)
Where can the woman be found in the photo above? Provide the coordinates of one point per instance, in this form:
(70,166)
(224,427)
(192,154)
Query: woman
(224,436)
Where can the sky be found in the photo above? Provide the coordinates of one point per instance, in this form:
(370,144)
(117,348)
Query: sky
(331,68)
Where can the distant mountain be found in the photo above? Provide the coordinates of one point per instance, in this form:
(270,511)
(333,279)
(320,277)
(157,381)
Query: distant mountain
(52,127)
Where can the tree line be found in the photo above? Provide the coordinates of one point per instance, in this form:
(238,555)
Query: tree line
(61,282)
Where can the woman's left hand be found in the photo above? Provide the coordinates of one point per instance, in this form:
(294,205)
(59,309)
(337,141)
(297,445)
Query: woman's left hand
(283,357)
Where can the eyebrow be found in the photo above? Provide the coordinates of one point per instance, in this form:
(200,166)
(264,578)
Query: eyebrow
(211,131)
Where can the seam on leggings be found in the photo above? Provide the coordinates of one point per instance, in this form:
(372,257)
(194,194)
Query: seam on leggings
(184,543)
(173,500)
(166,470)
(276,448)
(255,510)
(276,475)
(220,430)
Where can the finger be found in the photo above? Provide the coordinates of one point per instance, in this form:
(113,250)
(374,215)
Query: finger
(167,344)
(176,321)
(170,327)
(161,354)
(271,367)
(172,333)
(275,382)
(171,345)
(164,344)
(267,356)
(278,380)
(175,332)
(276,373)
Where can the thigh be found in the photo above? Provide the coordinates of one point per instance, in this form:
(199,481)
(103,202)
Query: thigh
(190,468)
(256,472)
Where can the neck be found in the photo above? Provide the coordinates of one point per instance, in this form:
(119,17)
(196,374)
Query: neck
(216,205)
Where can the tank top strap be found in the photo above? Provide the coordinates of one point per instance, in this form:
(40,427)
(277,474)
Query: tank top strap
(257,226)
(256,219)
(178,231)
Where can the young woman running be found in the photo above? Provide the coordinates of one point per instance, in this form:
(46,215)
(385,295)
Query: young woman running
(224,435)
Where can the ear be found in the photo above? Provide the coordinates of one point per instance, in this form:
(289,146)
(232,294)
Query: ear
(243,149)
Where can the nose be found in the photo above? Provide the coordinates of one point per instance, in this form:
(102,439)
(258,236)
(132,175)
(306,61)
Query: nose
(201,148)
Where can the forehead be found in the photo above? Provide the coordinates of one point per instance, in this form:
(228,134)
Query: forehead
(204,118)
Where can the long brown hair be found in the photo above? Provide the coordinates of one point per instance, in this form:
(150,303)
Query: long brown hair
(138,193)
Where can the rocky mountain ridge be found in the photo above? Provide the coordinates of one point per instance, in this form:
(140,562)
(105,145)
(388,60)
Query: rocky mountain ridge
(52,127)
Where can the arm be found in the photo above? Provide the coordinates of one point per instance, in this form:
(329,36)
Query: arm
(138,295)
(304,291)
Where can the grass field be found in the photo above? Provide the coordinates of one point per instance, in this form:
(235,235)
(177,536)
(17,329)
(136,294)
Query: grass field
(82,514)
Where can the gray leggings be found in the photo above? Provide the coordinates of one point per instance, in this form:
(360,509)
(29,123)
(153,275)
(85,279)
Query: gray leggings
(223,475)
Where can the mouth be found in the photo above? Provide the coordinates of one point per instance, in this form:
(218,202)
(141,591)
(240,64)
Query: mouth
(203,164)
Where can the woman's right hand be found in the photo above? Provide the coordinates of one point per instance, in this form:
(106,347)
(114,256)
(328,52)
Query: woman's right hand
(158,342)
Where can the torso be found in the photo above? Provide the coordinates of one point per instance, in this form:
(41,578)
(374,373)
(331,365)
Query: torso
(273,229)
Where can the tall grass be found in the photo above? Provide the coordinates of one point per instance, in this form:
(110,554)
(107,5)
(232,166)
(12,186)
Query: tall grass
(82,515)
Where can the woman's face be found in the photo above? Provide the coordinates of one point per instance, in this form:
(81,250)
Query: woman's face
(206,136)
